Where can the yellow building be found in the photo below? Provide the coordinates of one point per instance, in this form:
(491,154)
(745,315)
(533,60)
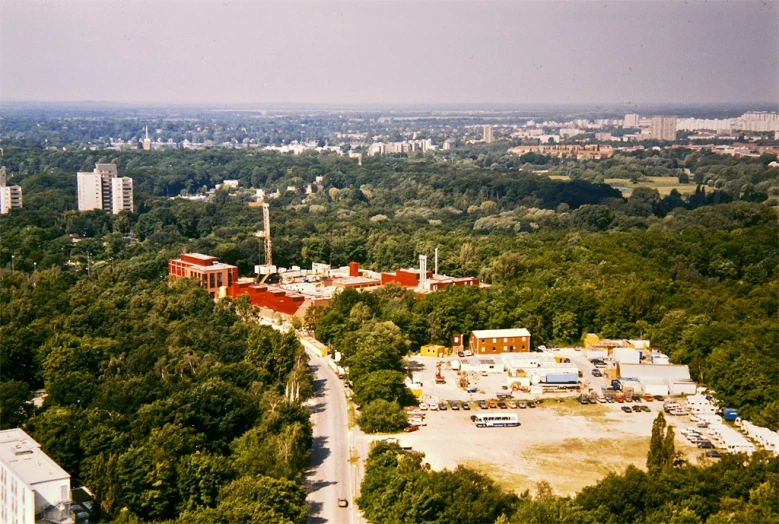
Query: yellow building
(432,350)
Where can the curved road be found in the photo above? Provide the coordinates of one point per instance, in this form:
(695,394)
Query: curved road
(331,475)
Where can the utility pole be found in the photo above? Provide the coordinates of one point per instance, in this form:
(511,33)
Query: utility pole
(112,265)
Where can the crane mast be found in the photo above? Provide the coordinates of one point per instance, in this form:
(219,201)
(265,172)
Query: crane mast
(266,269)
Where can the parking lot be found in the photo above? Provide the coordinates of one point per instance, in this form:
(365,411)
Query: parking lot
(568,444)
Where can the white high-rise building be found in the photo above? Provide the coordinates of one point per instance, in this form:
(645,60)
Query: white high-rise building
(631,120)
(488,134)
(10,196)
(33,488)
(663,128)
(103,189)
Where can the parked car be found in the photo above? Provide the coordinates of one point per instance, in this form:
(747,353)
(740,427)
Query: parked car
(713,454)
(391,440)
(596,373)
(454,404)
(619,399)
(627,409)
(483,404)
(659,398)
(602,400)
(492,404)
(343,503)
(705,444)
(703,424)
(645,409)
(512,404)
(409,429)
(531,404)
(648,398)
(433,406)
(636,398)
(521,405)
(593,400)
(583,401)
(502,405)
(466,406)
(423,406)
(442,406)
(610,399)
(468,353)
(542,348)
(417,421)
(636,409)
(461,354)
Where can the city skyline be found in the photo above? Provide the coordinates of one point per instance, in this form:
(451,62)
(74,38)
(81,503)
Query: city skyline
(391,53)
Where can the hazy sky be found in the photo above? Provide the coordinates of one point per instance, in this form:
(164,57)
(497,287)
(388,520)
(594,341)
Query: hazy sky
(389,52)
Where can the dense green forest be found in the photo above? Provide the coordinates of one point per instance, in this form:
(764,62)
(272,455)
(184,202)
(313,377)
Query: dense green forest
(156,395)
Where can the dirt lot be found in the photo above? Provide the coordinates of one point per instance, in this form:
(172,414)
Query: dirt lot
(567,444)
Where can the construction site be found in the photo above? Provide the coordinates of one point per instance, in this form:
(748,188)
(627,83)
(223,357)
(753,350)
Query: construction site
(283,293)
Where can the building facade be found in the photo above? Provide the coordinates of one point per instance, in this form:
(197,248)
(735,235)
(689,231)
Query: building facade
(212,274)
(499,341)
(33,488)
(488,134)
(10,198)
(663,128)
(103,189)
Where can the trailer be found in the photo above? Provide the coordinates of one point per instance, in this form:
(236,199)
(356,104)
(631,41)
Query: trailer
(562,378)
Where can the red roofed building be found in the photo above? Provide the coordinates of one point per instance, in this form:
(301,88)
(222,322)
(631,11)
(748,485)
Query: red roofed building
(211,273)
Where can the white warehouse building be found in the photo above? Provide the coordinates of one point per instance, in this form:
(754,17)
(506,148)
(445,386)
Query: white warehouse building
(674,377)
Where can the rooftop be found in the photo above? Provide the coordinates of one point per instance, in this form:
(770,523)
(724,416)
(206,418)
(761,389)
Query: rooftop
(22,455)
(501,333)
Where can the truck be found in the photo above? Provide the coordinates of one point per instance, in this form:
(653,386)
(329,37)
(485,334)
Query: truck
(729,414)
(562,360)
(563,378)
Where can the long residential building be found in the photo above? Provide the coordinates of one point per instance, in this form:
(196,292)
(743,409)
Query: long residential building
(33,488)
(103,189)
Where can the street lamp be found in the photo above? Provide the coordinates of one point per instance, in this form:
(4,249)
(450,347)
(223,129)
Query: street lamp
(13,270)
(34,267)
(112,265)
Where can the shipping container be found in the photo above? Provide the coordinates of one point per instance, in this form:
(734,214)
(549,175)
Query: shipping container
(564,378)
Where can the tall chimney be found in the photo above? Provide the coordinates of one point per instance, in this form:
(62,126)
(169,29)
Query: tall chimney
(354,269)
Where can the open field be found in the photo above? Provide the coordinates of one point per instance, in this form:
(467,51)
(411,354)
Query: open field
(664,185)
(569,445)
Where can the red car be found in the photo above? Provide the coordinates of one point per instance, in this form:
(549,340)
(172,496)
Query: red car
(409,429)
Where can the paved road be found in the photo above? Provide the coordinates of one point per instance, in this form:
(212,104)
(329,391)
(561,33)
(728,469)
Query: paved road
(331,476)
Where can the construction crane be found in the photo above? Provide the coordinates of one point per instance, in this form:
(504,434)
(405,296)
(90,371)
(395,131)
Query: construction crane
(267,244)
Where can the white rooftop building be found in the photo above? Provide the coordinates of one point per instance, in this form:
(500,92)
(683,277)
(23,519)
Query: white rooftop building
(33,488)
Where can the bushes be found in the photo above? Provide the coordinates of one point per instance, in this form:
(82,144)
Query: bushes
(382,416)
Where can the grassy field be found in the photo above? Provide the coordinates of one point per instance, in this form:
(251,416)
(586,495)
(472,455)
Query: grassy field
(664,185)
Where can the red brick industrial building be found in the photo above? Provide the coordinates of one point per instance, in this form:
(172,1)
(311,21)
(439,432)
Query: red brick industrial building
(211,274)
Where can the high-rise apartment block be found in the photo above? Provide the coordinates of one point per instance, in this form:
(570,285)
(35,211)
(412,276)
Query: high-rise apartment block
(104,189)
(33,488)
(488,134)
(631,120)
(10,196)
(663,128)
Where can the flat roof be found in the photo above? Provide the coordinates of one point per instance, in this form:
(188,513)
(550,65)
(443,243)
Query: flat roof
(22,455)
(501,333)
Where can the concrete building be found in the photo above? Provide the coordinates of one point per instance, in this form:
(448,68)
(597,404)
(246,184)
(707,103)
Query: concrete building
(212,275)
(147,141)
(603,137)
(10,198)
(499,341)
(663,128)
(676,377)
(630,121)
(33,488)
(104,190)
(488,134)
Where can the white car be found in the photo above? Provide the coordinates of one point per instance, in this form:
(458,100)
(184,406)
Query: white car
(423,406)
(468,353)
(433,407)
(417,421)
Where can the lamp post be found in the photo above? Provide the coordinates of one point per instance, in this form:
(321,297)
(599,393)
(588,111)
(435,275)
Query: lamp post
(112,265)
(13,269)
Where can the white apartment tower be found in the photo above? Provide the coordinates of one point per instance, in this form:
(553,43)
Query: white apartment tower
(488,134)
(33,488)
(630,121)
(103,189)
(663,128)
(147,141)
(10,196)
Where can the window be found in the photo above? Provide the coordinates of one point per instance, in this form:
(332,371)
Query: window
(211,280)
(219,279)
(494,340)
(505,339)
(229,279)
(493,349)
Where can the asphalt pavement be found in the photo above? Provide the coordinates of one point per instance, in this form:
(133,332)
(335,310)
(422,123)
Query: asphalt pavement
(331,475)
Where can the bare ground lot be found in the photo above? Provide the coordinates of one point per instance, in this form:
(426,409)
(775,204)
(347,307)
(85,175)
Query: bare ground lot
(569,445)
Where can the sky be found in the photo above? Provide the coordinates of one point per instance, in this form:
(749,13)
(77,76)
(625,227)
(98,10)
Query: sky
(390,52)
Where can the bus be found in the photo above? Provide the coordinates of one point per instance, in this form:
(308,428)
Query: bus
(509,420)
